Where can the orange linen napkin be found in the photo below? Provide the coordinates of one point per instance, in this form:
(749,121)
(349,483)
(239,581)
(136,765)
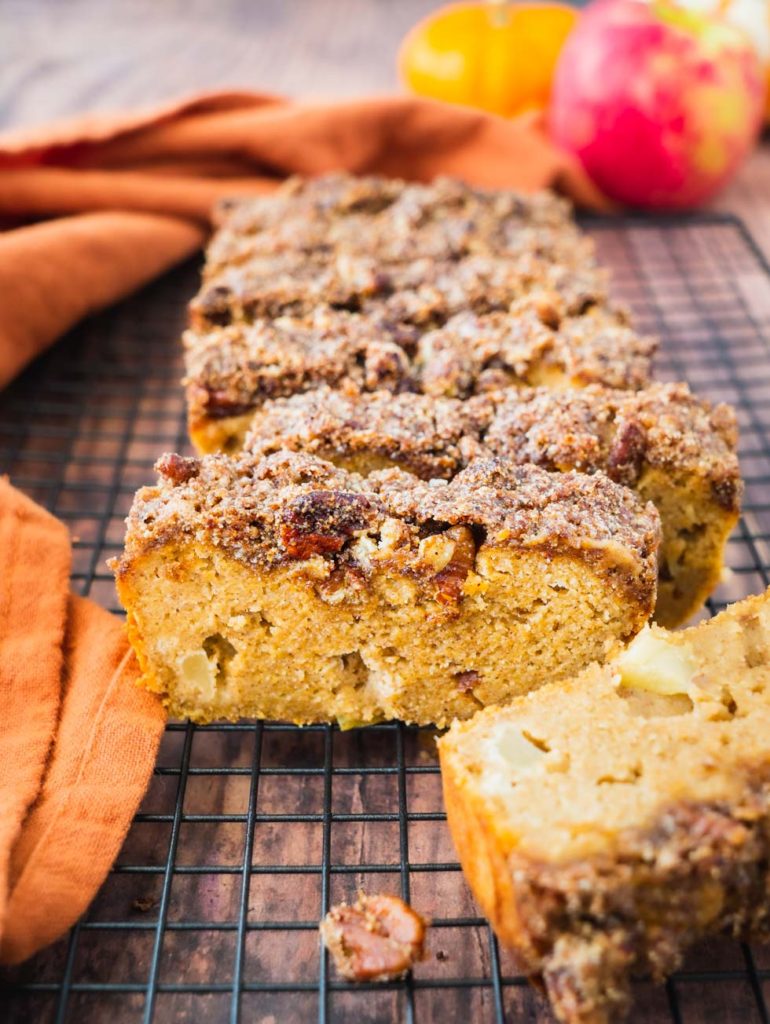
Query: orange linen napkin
(78,739)
(122,198)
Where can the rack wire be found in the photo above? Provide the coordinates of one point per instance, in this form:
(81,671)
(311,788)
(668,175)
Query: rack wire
(250,831)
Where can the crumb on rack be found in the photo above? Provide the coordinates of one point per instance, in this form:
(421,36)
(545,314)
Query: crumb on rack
(378,938)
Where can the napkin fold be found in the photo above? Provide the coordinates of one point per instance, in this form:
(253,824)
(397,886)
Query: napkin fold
(98,206)
(78,739)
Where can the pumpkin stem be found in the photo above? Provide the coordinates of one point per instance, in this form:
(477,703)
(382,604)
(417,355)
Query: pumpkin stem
(497,11)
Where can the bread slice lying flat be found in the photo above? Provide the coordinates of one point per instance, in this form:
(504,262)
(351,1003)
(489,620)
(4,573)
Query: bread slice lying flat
(287,588)
(607,822)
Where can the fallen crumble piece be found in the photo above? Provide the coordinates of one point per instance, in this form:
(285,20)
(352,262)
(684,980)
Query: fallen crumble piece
(608,822)
(378,938)
(286,588)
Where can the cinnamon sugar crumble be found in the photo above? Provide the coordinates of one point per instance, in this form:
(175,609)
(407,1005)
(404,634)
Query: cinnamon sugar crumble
(378,938)
(345,275)
(588,429)
(618,431)
(289,506)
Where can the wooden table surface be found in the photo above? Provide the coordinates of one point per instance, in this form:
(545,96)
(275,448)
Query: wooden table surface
(60,58)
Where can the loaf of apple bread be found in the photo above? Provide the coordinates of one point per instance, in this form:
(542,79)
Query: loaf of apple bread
(607,822)
(439,288)
(232,370)
(286,588)
(674,449)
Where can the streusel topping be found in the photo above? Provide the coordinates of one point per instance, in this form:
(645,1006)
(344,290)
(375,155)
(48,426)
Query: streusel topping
(287,506)
(432,437)
(618,431)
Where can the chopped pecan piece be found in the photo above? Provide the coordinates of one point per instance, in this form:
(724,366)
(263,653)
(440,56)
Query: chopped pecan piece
(626,456)
(467,680)
(320,522)
(176,468)
(219,404)
(449,581)
(548,307)
(727,492)
(385,366)
(379,938)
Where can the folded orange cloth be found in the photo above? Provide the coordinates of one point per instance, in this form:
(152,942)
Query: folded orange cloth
(124,197)
(77,738)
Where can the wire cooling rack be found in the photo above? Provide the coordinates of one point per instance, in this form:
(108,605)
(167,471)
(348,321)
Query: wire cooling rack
(250,831)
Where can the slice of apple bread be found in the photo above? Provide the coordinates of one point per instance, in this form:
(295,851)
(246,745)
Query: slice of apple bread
(287,588)
(394,220)
(674,449)
(607,822)
(347,242)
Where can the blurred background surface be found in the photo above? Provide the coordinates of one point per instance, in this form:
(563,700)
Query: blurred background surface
(62,58)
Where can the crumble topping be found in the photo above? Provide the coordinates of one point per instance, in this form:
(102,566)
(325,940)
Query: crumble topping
(593,428)
(416,252)
(395,220)
(619,431)
(430,437)
(233,369)
(289,506)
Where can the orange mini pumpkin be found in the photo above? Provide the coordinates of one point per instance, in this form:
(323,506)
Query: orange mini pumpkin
(496,56)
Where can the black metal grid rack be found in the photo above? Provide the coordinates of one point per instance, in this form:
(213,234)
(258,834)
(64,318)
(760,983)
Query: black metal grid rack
(250,831)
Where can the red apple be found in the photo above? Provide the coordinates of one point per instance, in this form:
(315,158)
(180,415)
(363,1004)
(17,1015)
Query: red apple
(661,104)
